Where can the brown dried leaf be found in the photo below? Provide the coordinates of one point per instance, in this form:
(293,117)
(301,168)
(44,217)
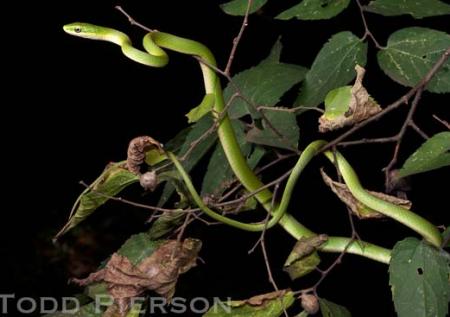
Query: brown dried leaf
(136,152)
(166,263)
(260,300)
(271,304)
(159,272)
(361,107)
(359,209)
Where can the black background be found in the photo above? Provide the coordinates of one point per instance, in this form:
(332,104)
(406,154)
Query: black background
(72,105)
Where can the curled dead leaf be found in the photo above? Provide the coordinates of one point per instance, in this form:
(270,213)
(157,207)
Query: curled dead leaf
(361,107)
(159,272)
(359,209)
(260,300)
(270,304)
(136,152)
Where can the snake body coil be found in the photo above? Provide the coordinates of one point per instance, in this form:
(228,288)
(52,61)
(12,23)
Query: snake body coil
(155,56)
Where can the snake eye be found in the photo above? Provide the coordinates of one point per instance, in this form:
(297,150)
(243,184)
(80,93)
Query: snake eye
(77,29)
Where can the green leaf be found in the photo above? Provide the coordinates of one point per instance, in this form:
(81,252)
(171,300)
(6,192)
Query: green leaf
(303,258)
(154,157)
(198,130)
(266,305)
(166,223)
(283,122)
(256,156)
(239,7)
(139,247)
(219,172)
(333,67)
(263,84)
(112,181)
(432,154)
(411,52)
(314,10)
(417,8)
(330,309)
(203,108)
(337,102)
(419,279)
(303,266)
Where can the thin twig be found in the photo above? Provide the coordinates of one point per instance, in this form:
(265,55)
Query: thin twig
(324,273)
(135,204)
(445,123)
(266,220)
(419,131)
(400,135)
(238,38)
(367,32)
(133,21)
(258,171)
(369,141)
(183,227)
(249,195)
(289,110)
(206,222)
(262,242)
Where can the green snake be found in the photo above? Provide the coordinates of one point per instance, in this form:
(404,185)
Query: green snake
(154,56)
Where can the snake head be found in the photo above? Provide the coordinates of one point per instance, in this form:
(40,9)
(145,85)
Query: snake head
(95,32)
(80,29)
